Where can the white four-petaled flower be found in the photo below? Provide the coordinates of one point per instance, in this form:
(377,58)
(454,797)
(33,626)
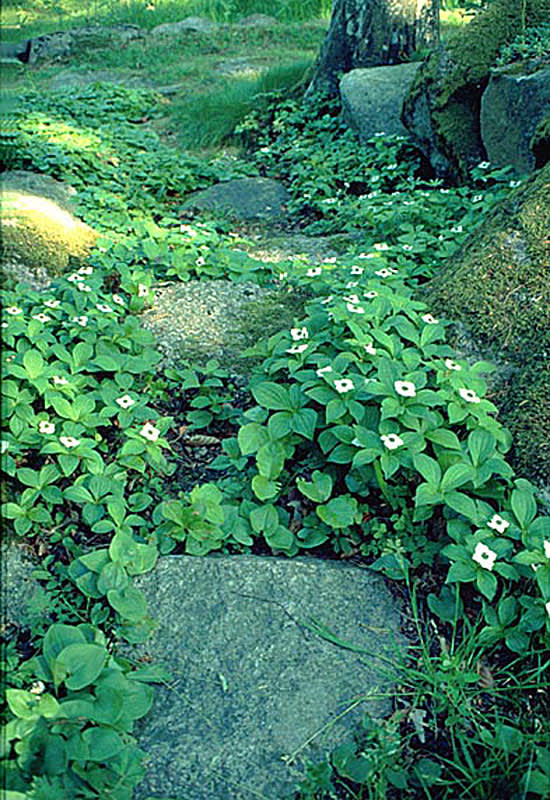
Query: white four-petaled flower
(83,287)
(69,441)
(497,523)
(59,380)
(405,388)
(383,273)
(52,303)
(483,165)
(46,427)
(356,270)
(343,385)
(200,261)
(370,295)
(83,320)
(73,278)
(299,333)
(429,319)
(327,299)
(14,310)
(297,348)
(314,271)
(86,270)
(381,246)
(370,349)
(546,545)
(322,370)
(143,290)
(355,309)
(469,395)
(41,317)
(547,607)
(450,364)
(118,300)
(484,556)
(391,440)
(150,432)
(283,275)
(125,401)
(103,307)
(407,247)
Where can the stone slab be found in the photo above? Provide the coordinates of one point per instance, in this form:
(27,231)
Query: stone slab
(252,684)
(243,198)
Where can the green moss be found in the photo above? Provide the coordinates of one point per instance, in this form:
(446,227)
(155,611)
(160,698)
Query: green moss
(498,289)
(39,233)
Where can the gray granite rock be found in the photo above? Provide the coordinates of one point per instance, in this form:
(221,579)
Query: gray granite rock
(198,24)
(372,98)
(514,105)
(19,588)
(253,685)
(244,198)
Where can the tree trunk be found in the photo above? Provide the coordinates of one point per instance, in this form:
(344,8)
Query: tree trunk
(371,33)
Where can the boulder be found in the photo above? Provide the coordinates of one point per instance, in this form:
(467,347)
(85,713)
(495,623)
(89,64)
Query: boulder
(513,107)
(198,24)
(41,236)
(258,21)
(372,98)
(253,683)
(59,45)
(442,108)
(497,289)
(243,198)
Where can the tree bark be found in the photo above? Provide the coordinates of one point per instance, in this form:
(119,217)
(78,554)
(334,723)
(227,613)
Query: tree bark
(371,33)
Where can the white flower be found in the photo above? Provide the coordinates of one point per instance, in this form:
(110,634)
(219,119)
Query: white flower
(381,246)
(356,270)
(14,310)
(351,284)
(103,307)
(297,348)
(429,319)
(322,370)
(52,303)
(514,184)
(370,349)
(118,300)
(283,275)
(86,270)
(69,441)
(450,364)
(383,273)
(497,523)
(59,381)
(405,388)
(392,440)
(37,687)
(355,309)
(327,299)
(469,395)
(41,317)
(351,298)
(143,290)
(343,385)
(73,278)
(125,401)
(299,333)
(547,607)
(379,133)
(477,198)
(370,295)
(314,271)
(150,432)
(444,191)
(4,325)
(83,287)
(329,260)
(46,427)
(546,545)
(391,166)
(483,165)
(4,446)
(457,229)
(83,320)
(200,261)
(407,247)
(484,556)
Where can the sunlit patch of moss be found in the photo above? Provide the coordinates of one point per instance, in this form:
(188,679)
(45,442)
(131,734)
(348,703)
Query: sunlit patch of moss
(40,234)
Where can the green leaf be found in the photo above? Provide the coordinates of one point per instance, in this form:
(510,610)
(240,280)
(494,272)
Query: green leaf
(319,489)
(251,437)
(444,437)
(112,576)
(486,583)
(78,665)
(524,506)
(461,572)
(33,363)
(303,422)
(481,444)
(129,602)
(428,468)
(427,495)
(280,539)
(103,744)
(460,502)
(272,396)
(270,460)
(446,606)
(279,425)
(264,518)
(57,638)
(456,476)
(263,488)
(340,512)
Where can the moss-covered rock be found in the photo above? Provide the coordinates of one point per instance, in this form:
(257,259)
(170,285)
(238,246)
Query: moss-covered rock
(498,290)
(442,108)
(41,237)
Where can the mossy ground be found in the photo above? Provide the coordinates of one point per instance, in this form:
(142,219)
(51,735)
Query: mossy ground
(498,288)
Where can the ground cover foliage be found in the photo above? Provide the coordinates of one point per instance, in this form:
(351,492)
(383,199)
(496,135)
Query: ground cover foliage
(361,434)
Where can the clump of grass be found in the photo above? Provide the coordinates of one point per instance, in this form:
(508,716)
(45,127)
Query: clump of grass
(208,120)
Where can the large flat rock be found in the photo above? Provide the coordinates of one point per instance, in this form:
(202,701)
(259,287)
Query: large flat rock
(243,198)
(252,682)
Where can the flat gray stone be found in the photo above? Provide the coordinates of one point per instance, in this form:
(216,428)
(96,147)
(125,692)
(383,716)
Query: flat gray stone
(244,198)
(372,98)
(253,685)
(197,24)
(19,589)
